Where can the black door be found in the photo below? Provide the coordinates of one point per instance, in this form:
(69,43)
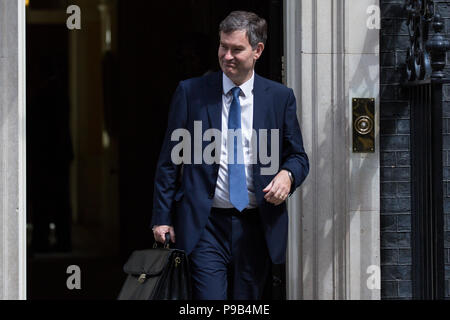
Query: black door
(161,43)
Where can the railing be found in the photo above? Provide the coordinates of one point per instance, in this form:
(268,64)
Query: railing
(424,66)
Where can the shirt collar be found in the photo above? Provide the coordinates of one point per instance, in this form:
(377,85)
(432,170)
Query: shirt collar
(246,87)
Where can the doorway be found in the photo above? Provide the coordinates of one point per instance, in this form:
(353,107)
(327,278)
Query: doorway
(116,95)
(157,43)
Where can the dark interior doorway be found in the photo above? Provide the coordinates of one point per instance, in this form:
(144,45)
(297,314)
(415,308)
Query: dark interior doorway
(159,43)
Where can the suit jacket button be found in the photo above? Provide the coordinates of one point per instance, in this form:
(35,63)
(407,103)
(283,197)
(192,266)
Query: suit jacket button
(211,195)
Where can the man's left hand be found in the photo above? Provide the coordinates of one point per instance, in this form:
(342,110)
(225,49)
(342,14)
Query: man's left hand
(278,189)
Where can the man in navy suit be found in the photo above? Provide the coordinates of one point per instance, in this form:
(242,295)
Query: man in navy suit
(229,215)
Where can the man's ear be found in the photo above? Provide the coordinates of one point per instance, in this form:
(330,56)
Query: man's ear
(259,50)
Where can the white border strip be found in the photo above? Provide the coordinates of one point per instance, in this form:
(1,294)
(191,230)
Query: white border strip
(291,14)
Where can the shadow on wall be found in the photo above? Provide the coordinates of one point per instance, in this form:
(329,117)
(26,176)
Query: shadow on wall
(320,226)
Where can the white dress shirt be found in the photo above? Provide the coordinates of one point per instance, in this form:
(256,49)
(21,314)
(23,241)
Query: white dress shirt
(221,195)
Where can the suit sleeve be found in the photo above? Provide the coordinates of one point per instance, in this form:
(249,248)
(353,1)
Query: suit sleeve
(294,157)
(166,171)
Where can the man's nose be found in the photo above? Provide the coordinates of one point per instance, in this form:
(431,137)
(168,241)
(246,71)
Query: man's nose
(228,55)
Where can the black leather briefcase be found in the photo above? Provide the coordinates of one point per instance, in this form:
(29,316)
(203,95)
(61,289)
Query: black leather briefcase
(157,274)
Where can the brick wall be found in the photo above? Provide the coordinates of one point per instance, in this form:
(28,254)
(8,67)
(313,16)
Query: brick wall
(394,155)
(396,268)
(446,178)
(444,10)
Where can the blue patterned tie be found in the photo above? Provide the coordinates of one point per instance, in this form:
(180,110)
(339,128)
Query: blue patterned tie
(237,183)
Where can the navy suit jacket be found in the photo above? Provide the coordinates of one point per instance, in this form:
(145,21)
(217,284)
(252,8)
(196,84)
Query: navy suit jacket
(184,200)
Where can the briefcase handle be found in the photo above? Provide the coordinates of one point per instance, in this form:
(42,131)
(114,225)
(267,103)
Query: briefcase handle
(166,243)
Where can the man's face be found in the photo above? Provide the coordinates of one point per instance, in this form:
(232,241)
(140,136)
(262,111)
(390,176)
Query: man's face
(236,55)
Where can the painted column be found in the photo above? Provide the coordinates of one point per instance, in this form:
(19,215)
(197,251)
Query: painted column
(331,57)
(12,151)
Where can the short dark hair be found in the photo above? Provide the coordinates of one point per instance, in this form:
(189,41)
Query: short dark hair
(255,27)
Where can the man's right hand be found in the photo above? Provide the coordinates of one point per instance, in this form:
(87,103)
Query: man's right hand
(159,232)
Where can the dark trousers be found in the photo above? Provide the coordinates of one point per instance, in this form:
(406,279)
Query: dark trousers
(231,260)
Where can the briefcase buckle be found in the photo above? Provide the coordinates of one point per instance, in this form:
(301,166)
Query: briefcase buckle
(142,278)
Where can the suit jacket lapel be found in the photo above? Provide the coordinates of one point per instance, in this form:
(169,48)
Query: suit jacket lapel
(260,103)
(215,102)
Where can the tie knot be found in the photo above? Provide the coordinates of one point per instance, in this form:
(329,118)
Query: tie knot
(236,91)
